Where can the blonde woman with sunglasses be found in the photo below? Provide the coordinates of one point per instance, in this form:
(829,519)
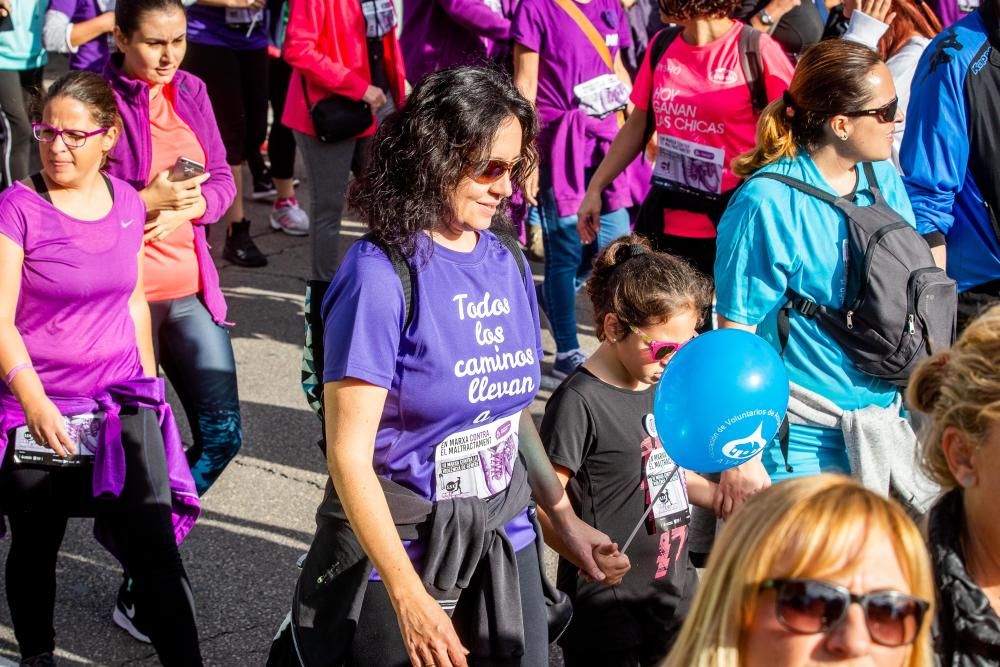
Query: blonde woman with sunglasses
(813,571)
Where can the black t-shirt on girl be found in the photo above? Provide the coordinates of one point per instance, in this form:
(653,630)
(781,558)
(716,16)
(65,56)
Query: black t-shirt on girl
(606,437)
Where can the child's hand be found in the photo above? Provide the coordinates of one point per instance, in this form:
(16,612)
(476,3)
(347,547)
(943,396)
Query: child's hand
(613,563)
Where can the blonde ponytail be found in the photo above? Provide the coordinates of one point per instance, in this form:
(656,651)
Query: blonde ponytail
(775,140)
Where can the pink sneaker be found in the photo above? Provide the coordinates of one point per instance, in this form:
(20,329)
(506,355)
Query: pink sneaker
(286,216)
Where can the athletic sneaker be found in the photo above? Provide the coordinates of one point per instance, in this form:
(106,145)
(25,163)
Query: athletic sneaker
(126,616)
(263,187)
(240,248)
(42,660)
(566,365)
(288,217)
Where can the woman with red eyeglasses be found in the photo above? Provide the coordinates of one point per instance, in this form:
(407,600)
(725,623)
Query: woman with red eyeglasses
(814,571)
(781,243)
(599,434)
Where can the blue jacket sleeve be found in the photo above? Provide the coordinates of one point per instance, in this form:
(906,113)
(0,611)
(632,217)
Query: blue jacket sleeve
(935,152)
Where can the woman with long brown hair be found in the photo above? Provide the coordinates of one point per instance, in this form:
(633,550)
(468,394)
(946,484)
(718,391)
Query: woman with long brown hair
(830,133)
(899,30)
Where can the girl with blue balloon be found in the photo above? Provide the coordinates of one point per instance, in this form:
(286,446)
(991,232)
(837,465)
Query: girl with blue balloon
(600,434)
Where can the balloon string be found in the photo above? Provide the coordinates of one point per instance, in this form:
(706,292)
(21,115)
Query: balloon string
(649,509)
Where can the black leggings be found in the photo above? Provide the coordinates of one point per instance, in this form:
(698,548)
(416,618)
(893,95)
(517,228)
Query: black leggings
(237,87)
(378,642)
(38,502)
(197,357)
(16,89)
(281,141)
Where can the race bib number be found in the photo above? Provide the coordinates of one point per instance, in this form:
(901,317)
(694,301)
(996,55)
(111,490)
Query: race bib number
(380,17)
(602,96)
(671,507)
(83,431)
(477,462)
(685,165)
(968,6)
(494,6)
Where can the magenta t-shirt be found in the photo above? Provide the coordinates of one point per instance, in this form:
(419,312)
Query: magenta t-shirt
(701,101)
(72,311)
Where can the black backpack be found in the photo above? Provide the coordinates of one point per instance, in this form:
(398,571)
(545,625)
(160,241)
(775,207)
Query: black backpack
(312,351)
(899,307)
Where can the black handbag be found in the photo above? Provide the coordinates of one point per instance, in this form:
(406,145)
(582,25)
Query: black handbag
(336,118)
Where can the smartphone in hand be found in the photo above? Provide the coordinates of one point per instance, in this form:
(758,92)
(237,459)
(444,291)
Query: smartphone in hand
(186,168)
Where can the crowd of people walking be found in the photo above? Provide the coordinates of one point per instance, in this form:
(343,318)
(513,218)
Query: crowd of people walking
(817,174)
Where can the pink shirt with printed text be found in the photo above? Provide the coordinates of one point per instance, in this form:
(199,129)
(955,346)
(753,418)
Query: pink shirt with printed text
(701,97)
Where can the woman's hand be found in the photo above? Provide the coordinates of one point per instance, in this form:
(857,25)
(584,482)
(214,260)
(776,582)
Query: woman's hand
(531,187)
(880,10)
(428,633)
(374,97)
(163,194)
(737,485)
(163,224)
(588,218)
(48,427)
(613,563)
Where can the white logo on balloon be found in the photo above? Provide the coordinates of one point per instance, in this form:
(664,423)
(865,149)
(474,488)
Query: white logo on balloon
(744,448)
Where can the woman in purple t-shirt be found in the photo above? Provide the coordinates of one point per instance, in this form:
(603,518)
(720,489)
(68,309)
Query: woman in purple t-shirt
(432,452)
(80,393)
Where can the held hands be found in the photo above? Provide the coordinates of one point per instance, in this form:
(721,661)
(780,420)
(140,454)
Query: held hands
(428,633)
(163,194)
(613,563)
(47,427)
(5,8)
(374,97)
(738,484)
(588,218)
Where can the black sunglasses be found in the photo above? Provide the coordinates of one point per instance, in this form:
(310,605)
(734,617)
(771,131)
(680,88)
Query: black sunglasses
(885,114)
(807,606)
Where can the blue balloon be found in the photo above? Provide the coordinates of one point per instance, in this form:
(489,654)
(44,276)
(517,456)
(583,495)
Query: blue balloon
(720,400)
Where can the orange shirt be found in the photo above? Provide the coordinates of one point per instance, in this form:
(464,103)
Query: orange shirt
(171,267)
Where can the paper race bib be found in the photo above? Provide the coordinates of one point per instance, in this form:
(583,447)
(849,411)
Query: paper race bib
(602,95)
(968,6)
(477,462)
(380,17)
(494,6)
(685,165)
(83,431)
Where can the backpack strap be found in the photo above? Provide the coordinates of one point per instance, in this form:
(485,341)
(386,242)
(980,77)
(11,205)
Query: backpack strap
(657,48)
(403,271)
(753,67)
(589,30)
(801,186)
(509,242)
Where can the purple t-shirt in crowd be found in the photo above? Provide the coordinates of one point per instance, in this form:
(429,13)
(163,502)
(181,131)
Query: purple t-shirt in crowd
(72,311)
(94,54)
(567,57)
(227,27)
(469,359)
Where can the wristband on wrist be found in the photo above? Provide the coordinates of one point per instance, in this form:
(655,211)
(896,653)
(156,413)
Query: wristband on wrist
(17,369)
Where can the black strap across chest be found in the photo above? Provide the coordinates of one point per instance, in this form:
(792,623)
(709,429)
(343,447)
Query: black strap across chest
(43,190)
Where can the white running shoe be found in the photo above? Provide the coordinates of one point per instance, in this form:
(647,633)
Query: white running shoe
(288,217)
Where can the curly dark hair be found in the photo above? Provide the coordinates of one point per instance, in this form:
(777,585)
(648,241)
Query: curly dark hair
(642,287)
(685,10)
(421,153)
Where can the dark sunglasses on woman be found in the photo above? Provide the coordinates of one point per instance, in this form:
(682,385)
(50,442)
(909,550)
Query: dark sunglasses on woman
(808,606)
(885,113)
(491,171)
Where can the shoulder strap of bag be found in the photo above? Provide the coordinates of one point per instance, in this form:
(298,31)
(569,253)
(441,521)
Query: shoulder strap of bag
(509,242)
(403,271)
(657,48)
(589,30)
(753,67)
(800,186)
(869,170)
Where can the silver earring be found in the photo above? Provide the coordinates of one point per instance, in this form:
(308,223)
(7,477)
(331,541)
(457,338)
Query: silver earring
(612,340)
(843,137)
(968,481)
